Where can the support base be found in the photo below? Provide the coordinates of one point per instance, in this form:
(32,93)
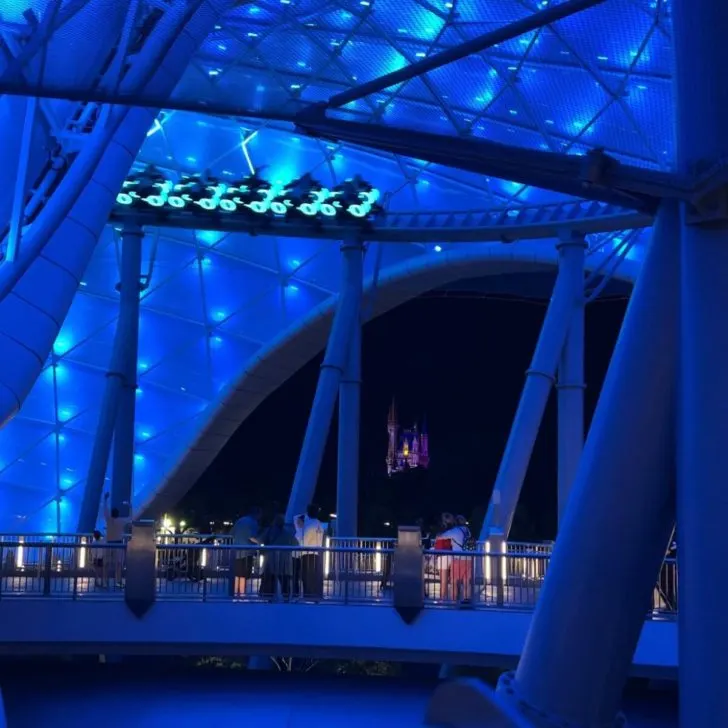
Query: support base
(507,691)
(470,703)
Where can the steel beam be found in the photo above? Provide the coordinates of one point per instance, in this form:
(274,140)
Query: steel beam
(332,370)
(537,20)
(127,328)
(570,383)
(588,618)
(139,100)
(505,224)
(617,183)
(594,176)
(17,214)
(347,474)
(568,290)
(130,287)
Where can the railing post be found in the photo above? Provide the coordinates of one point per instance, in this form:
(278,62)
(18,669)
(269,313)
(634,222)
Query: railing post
(408,574)
(47,570)
(140,591)
(496,568)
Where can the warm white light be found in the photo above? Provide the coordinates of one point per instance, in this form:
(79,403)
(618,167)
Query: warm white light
(19,553)
(378,557)
(327,557)
(82,554)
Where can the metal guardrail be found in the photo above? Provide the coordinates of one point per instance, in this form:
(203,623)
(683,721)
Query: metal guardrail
(506,224)
(333,574)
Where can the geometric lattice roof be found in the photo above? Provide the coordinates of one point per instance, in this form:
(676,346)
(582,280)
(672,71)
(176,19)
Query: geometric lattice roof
(601,78)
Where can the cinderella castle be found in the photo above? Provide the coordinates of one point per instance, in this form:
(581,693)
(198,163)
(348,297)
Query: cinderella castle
(408,448)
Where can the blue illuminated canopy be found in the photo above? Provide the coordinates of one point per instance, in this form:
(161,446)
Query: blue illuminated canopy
(215,301)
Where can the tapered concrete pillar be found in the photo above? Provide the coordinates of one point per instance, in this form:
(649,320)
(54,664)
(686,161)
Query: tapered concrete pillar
(568,290)
(122,480)
(570,383)
(125,343)
(347,476)
(346,319)
(619,519)
(701,57)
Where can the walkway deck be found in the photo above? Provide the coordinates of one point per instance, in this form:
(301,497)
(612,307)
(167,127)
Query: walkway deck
(492,637)
(54,599)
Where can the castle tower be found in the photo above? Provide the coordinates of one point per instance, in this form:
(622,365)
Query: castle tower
(415,454)
(424,453)
(393,430)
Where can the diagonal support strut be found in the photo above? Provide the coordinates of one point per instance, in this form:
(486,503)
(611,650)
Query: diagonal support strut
(500,35)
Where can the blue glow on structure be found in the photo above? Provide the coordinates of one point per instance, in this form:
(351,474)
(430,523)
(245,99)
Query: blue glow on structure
(216,299)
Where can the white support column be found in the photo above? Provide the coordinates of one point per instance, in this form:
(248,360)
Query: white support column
(346,318)
(612,542)
(130,289)
(569,289)
(21,181)
(125,340)
(570,384)
(701,92)
(347,476)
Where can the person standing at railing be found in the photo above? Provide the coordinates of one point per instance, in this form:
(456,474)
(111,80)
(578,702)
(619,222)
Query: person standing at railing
(461,573)
(312,571)
(444,542)
(277,560)
(298,523)
(116,527)
(97,560)
(245,532)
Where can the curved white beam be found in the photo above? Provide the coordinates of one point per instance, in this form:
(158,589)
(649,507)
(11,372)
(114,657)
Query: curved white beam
(298,344)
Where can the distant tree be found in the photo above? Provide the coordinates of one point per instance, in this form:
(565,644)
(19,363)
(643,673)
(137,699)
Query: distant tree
(294,664)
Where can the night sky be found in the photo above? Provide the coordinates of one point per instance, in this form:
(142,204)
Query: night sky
(458,360)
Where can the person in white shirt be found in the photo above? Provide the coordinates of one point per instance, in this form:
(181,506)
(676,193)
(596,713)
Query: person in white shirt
(458,585)
(312,572)
(115,529)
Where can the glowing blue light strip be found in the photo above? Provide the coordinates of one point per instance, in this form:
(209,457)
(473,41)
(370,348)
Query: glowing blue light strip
(156,126)
(246,153)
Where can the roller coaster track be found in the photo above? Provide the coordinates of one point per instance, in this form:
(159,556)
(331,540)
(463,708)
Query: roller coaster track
(505,225)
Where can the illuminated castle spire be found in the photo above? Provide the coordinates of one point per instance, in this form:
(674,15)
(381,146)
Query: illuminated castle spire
(410,449)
